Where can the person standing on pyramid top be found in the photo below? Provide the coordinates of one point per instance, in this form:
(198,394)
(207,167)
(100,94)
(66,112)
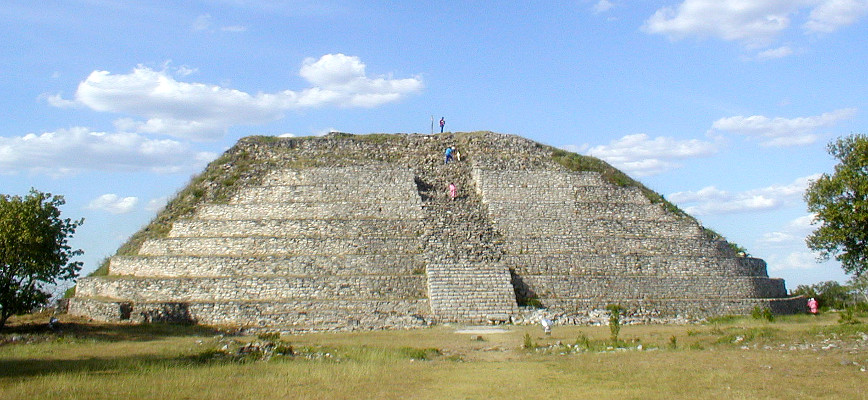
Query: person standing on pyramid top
(442,123)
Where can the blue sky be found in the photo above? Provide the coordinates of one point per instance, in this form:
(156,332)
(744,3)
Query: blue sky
(723,106)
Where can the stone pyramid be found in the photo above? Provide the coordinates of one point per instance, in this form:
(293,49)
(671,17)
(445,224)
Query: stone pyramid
(358,232)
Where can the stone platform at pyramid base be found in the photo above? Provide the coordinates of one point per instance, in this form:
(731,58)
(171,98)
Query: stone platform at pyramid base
(311,316)
(252,316)
(648,311)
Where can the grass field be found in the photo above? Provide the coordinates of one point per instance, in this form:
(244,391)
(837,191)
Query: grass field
(794,357)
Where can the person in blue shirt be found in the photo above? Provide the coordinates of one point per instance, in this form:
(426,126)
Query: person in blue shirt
(449,151)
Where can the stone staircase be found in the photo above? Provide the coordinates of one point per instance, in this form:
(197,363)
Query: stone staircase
(466,280)
(312,249)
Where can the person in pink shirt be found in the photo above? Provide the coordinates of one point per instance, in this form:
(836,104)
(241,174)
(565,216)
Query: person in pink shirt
(812,306)
(453,191)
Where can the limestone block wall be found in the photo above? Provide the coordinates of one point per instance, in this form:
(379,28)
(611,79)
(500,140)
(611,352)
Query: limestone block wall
(259,288)
(317,248)
(574,241)
(296,265)
(255,246)
(294,315)
(300,228)
(603,264)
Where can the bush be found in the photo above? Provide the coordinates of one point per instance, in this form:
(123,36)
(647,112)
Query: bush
(762,313)
(615,311)
(529,343)
(829,294)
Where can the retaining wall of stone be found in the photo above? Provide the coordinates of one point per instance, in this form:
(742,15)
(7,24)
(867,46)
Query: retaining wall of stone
(262,246)
(298,228)
(251,316)
(254,288)
(617,264)
(319,265)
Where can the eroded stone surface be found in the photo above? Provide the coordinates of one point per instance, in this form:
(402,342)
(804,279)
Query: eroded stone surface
(354,232)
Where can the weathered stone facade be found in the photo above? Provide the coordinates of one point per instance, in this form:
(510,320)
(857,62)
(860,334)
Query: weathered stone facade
(349,232)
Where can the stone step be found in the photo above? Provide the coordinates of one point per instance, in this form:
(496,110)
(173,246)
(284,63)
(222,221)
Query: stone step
(557,198)
(603,245)
(298,228)
(333,193)
(664,310)
(469,292)
(288,315)
(580,211)
(216,266)
(660,287)
(370,175)
(263,246)
(540,180)
(379,210)
(254,288)
(520,228)
(589,264)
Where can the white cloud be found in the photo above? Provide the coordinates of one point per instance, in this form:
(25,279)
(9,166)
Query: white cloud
(711,200)
(202,111)
(779,52)
(233,28)
(756,23)
(640,155)
(781,132)
(753,21)
(793,233)
(113,203)
(71,150)
(801,260)
(603,6)
(831,15)
(157,204)
(58,101)
(576,148)
(202,23)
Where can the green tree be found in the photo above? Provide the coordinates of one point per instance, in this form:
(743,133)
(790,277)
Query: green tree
(829,294)
(840,203)
(34,251)
(615,311)
(859,286)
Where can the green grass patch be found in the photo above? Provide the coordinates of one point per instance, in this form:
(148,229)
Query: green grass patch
(163,361)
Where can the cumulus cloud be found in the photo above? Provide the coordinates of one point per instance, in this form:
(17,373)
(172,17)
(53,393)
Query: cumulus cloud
(779,52)
(781,132)
(802,260)
(793,232)
(200,111)
(643,156)
(831,15)
(71,150)
(711,200)
(113,203)
(755,23)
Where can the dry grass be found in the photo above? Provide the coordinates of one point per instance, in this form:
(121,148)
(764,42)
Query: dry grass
(795,357)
